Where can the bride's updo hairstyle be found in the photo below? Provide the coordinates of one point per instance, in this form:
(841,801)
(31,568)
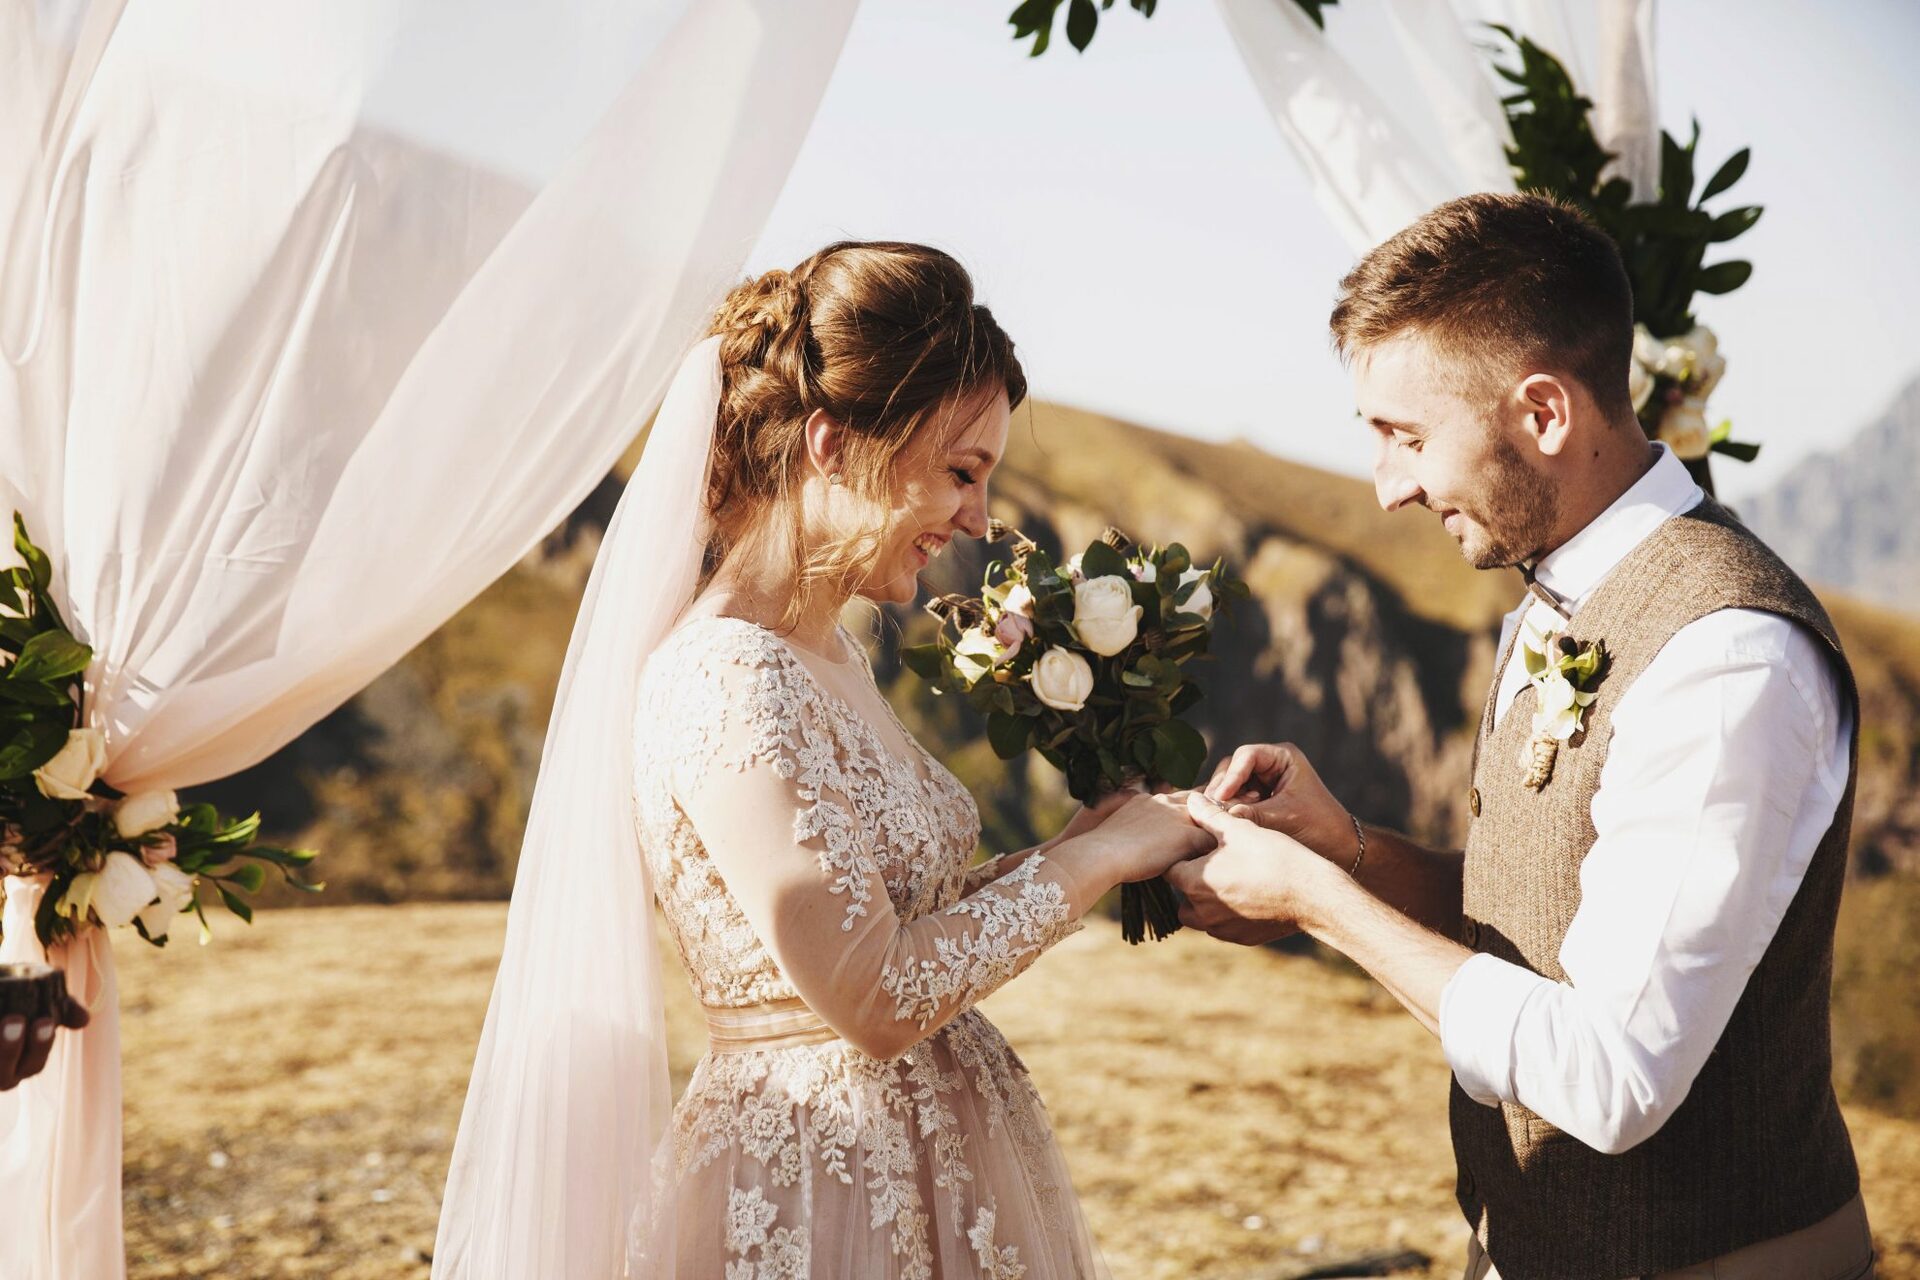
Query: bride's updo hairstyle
(886,338)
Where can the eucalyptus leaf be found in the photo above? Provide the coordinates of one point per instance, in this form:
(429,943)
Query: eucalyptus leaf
(924,660)
(1179,752)
(1009,736)
(1101,560)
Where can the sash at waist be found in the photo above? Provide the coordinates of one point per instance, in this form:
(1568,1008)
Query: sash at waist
(777,1024)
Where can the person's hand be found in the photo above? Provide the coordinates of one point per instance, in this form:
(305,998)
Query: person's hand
(1276,786)
(1256,884)
(25,1044)
(1146,835)
(1089,817)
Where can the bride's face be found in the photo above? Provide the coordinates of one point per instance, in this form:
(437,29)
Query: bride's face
(1462,459)
(940,493)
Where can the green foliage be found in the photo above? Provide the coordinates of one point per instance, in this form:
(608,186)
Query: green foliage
(1034,18)
(1664,241)
(41,705)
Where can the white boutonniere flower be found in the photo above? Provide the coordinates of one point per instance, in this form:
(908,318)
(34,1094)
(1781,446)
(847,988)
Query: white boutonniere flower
(1560,671)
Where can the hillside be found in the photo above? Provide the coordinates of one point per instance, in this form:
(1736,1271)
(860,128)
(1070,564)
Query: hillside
(1227,1114)
(1369,642)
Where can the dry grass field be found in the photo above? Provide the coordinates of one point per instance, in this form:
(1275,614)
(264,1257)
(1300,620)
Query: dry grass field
(292,1093)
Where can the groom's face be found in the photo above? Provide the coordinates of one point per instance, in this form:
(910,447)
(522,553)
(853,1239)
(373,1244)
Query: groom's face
(1459,452)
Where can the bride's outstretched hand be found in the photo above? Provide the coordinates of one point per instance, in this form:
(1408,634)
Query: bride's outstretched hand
(1276,786)
(1088,817)
(1144,836)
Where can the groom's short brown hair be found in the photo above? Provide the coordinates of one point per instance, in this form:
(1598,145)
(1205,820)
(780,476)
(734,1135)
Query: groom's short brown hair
(1499,282)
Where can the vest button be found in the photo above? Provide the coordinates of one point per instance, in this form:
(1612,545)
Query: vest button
(1473,801)
(1471,933)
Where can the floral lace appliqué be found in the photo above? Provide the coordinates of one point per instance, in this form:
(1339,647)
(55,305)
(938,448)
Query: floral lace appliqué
(1013,927)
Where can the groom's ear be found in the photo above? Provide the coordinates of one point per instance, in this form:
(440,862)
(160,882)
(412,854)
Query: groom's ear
(1549,405)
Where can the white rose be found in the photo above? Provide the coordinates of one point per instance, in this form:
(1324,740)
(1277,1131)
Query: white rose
(175,888)
(1707,376)
(124,888)
(1683,429)
(1201,601)
(1062,679)
(1019,600)
(68,775)
(1676,361)
(979,651)
(145,811)
(1104,615)
(1560,706)
(1702,343)
(1647,349)
(1639,385)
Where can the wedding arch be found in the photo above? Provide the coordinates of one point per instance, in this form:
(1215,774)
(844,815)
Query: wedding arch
(315,318)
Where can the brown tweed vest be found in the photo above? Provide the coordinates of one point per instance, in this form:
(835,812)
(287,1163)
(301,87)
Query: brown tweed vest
(1758,1149)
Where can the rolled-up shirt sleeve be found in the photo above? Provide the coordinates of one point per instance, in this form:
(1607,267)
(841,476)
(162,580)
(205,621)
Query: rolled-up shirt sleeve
(1728,759)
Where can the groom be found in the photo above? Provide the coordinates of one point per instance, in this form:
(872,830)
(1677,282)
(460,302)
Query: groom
(1629,964)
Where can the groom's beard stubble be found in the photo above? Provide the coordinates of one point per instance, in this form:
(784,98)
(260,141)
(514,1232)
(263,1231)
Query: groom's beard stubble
(1513,514)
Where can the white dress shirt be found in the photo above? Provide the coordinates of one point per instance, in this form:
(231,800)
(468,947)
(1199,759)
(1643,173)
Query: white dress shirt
(1726,766)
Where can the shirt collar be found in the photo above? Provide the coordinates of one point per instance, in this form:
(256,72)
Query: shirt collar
(1573,569)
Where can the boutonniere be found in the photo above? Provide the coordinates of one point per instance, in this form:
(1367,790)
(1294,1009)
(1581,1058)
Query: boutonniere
(1561,672)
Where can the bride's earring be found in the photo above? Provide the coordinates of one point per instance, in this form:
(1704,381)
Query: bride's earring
(835,479)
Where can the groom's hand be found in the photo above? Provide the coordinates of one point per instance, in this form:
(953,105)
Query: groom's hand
(1254,887)
(1275,786)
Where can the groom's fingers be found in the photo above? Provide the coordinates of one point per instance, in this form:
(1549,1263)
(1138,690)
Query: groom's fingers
(1231,778)
(1264,764)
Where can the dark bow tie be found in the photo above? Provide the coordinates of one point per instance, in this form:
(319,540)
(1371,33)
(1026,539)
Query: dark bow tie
(1540,593)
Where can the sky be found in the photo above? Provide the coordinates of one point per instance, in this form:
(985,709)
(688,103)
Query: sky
(1137,223)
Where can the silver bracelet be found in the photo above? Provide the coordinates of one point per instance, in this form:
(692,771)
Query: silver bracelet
(1360,834)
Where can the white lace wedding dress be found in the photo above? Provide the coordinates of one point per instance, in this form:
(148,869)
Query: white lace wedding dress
(855,1116)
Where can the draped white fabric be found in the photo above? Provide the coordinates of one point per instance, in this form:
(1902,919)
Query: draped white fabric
(552,1168)
(315,316)
(1388,128)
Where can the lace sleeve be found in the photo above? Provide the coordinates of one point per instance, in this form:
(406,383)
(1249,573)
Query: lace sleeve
(768,791)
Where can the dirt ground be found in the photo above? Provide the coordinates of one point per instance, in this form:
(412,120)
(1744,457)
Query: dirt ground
(293,1089)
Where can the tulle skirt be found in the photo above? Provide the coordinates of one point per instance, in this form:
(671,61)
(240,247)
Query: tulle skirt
(814,1160)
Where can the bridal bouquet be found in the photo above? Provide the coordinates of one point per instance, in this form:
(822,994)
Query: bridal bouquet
(114,859)
(1085,663)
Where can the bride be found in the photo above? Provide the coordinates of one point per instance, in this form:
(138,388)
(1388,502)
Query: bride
(855,1115)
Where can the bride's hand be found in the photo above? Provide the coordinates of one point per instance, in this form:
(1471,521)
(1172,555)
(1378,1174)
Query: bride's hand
(1146,835)
(1089,817)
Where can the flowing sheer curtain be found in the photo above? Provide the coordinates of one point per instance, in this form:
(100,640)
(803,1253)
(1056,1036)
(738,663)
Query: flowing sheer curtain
(315,316)
(1388,128)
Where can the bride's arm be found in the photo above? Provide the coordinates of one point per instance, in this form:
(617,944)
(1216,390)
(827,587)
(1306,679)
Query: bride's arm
(1085,819)
(771,809)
